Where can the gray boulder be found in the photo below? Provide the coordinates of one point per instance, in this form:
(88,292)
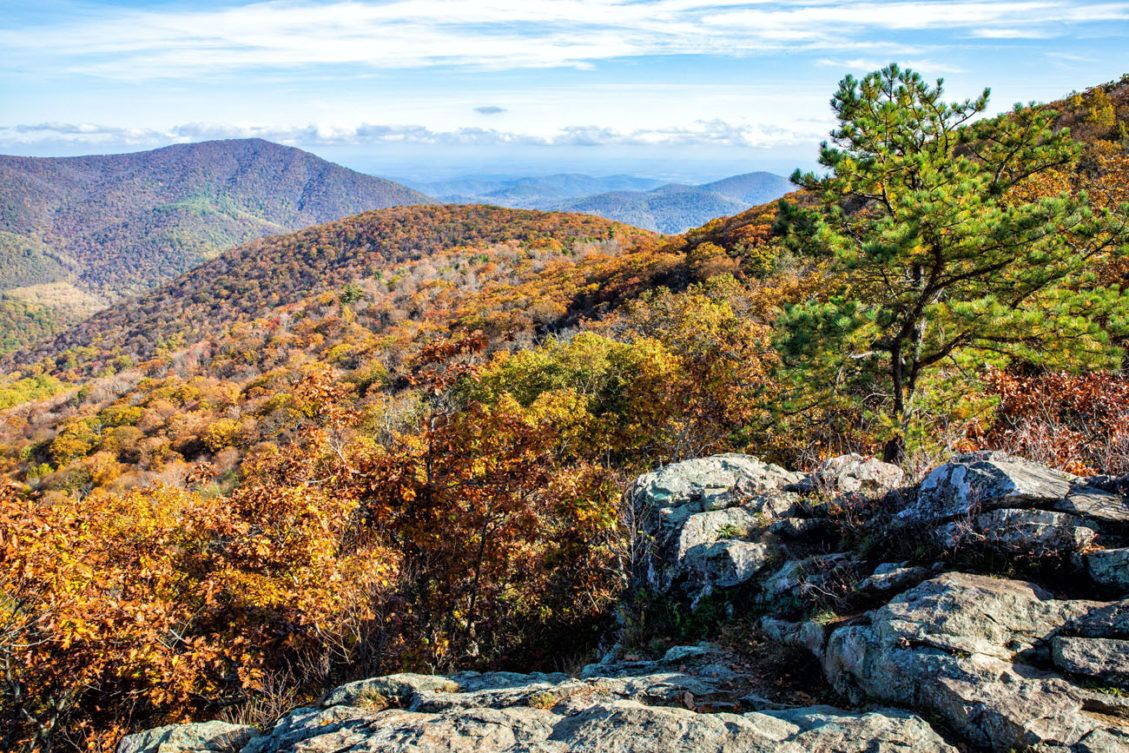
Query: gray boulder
(711,483)
(1110,567)
(199,737)
(703,523)
(967,649)
(1039,533)
(856,474)
(981,481)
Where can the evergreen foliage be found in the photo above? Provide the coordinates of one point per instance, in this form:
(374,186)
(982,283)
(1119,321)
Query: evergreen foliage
(933,258)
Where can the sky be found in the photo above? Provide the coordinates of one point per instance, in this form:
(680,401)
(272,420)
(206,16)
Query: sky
(430,89)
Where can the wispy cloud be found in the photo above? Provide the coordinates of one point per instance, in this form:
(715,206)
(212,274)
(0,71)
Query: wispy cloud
(715,132)
(134,44)
(871,64)
(490,110)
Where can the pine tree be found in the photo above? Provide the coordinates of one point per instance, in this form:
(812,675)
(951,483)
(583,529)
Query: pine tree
(935,255)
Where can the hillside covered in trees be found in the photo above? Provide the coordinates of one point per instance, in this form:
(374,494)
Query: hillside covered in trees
(399,442)
(79,232)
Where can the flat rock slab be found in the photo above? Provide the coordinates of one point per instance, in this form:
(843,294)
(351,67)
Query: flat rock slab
(981,481)
(1105,659)
(1097,505)
(199,737)
(604,725)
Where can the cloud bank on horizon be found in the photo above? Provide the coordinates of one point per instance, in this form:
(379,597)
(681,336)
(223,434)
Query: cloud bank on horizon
(554,75)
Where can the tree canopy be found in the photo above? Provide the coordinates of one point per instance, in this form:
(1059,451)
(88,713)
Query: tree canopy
(937,254)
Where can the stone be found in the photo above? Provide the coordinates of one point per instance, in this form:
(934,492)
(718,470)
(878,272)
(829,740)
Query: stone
(725,564)
(957,647)
(392,690)
(797,578)
(1096,504)
(1104,659)
(890,577)
(828,730)
(856,474)
(676,654)
(710,483)
(703,522)
(1036,533)
(809,634)
(1110,567)
(982,481)
(198,737)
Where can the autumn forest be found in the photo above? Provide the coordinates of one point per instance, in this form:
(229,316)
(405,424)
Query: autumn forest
(399,441)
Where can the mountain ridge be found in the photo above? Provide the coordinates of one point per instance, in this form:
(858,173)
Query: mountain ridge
(650,204)
(110,226)
(247,281)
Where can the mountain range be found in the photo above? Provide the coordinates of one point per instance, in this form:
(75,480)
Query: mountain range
(645,203)
(78,233)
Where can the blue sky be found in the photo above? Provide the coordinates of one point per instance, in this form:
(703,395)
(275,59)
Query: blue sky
(682,89)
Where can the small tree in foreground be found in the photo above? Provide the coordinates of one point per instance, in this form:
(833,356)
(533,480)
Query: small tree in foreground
(935,256)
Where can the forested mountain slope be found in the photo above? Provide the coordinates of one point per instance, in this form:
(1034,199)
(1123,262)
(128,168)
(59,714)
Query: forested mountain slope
(250,281)
(102,227)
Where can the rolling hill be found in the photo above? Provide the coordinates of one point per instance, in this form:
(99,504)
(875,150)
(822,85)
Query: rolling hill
(253,279)
(675,207)
(537,192)
(99,228)
(645,203)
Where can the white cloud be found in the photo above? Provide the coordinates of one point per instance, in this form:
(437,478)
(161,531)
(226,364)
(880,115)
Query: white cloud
(863,64)
(704,132)
(133,44)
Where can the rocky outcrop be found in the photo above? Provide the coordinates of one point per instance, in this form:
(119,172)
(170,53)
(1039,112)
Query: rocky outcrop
(978,652)
(889,589)
(993,502)
(688,700)
(981,481)
(855,474)
(704,522)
